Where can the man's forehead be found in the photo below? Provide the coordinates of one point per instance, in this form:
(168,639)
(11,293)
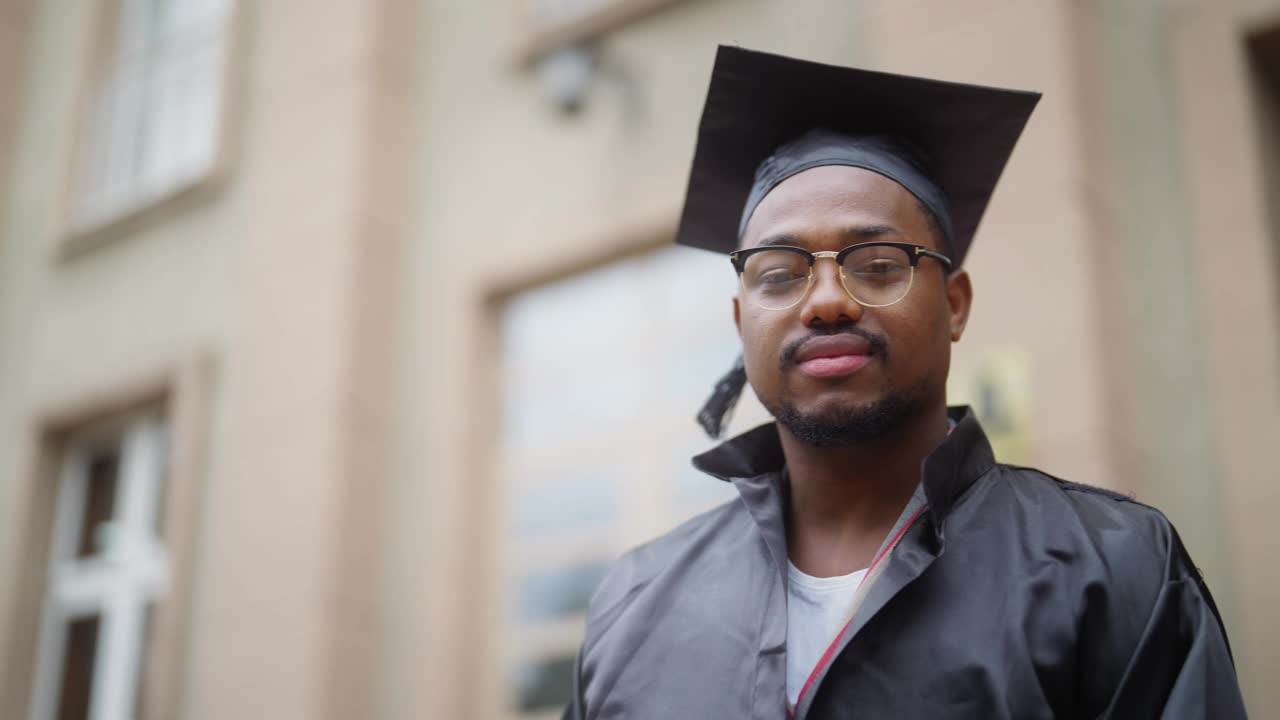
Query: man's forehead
(834,186)
(834,202)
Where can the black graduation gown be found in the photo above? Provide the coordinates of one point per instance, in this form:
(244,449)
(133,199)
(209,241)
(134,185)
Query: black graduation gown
(1010,594)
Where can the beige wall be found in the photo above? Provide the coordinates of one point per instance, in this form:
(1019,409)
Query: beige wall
(15,23)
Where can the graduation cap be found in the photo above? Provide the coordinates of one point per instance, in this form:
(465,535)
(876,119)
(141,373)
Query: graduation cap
(955,137)
(768,117)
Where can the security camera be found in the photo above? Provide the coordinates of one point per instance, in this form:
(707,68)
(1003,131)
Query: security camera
(566,74)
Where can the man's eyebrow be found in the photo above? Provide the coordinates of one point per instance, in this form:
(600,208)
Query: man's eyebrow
(854,233)
(870,232)
(782,239)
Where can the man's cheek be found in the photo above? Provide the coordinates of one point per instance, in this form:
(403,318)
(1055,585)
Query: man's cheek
(756,344)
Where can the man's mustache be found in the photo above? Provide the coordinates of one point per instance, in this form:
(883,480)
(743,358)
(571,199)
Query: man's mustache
(877,342)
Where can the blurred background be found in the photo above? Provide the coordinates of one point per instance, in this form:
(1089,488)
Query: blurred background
(343,345)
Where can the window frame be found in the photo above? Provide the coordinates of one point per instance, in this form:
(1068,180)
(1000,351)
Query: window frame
(97,45)
(645,509)
(1263,50)
(80,587)
(181,391)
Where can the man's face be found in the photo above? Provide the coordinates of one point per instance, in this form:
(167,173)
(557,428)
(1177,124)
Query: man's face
(906,346)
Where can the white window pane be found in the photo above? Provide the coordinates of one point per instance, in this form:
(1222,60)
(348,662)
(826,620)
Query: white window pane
(124,94)
(197,130)
(552,594)
(112,483)
(79,666)
(545,684)
(136,25)
(153,126)
(162,149)
(119,658)
(93,162)
(182,105)
(602,374)
(183,15)
(573,500)
(102,483)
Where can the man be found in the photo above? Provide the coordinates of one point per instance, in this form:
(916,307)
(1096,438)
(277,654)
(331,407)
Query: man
(880,563)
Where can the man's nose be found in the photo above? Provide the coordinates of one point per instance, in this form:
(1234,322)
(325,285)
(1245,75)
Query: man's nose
(828,302)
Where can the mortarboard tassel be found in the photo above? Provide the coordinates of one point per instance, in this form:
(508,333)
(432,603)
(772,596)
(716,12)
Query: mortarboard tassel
(714,414)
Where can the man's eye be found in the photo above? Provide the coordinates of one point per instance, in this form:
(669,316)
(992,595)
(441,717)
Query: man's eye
(878,267)
(778,276)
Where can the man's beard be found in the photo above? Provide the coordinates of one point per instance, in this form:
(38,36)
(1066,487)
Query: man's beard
(851,425)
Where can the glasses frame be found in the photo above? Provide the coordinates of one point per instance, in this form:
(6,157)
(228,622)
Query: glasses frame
(914,253)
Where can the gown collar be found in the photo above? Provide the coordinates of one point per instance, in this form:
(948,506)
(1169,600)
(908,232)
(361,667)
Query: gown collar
(755,463)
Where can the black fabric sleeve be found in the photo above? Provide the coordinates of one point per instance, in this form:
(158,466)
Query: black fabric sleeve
(1182,666)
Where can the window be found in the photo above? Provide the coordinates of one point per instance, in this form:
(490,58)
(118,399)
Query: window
(107,567)
(603,373)
(151,122)
(1264,49)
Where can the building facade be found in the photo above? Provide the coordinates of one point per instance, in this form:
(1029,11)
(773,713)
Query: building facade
(342,345)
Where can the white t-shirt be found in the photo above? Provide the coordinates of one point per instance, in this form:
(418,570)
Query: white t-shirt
(816,608)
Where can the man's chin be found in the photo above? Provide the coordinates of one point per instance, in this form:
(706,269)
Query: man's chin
(845,423)
(833,407)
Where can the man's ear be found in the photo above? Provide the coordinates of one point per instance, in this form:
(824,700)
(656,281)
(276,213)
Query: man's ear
(737,316)
(959,300)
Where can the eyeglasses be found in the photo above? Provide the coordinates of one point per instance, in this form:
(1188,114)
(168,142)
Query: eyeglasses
(875,274)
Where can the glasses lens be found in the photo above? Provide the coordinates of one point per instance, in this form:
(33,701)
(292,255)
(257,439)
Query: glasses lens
(775,279)
(878,275)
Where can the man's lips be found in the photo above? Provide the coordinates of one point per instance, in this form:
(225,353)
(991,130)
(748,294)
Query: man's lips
(833,355)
